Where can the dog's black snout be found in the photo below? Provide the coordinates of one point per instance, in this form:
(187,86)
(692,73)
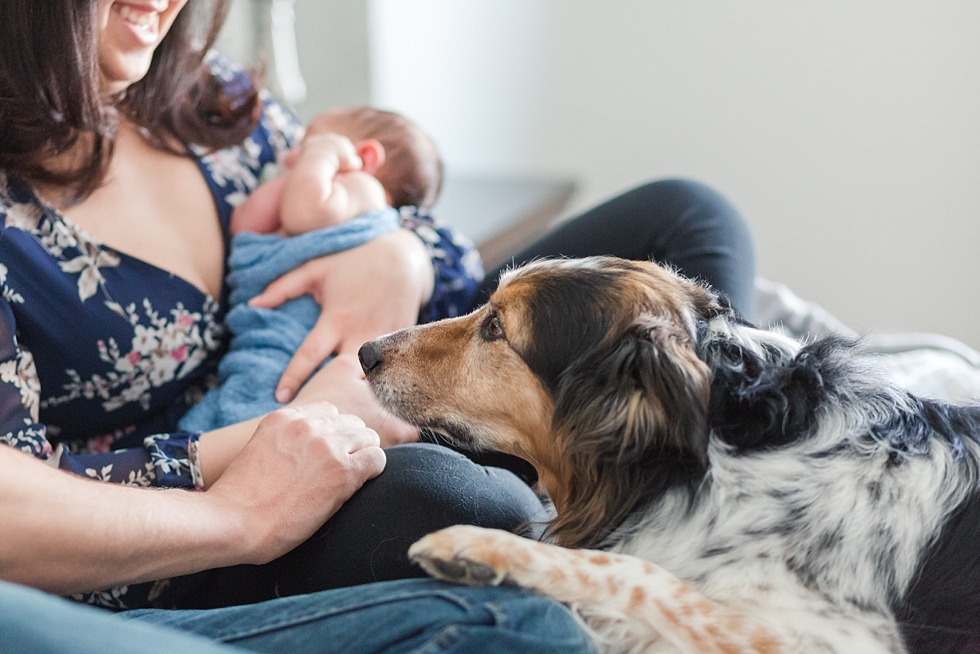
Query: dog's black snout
(369,357)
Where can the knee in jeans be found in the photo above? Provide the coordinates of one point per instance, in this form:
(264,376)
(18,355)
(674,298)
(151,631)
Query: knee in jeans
(449,485)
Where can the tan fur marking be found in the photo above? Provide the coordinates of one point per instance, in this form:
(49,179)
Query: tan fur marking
(764,642)
(722,636)
(669,616)
(502,559)
(637,597)
(681,591)
(586,582)
(735,624)
(695,637)
(555,576)
(729,648)
(600,559)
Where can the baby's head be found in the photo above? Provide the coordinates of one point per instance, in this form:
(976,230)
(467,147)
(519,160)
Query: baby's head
(412,170)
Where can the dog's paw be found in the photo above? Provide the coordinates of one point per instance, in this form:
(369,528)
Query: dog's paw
(466,555)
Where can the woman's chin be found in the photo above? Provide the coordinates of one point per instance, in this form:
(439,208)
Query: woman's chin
(119,72)
(130,32)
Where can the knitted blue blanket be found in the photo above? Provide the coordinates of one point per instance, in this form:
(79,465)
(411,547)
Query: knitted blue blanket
(264,340)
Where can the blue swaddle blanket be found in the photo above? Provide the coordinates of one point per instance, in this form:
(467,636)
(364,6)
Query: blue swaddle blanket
(264,340)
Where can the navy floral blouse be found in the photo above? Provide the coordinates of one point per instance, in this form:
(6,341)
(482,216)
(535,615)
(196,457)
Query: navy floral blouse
(101,353)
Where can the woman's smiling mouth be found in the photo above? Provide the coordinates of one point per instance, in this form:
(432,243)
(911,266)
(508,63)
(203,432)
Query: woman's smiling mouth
(143,20)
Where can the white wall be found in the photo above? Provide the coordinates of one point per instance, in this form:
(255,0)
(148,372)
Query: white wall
(332,40)
(847,130)
(331,43)
(471,72)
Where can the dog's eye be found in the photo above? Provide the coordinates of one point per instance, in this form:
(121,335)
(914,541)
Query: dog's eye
(492,329)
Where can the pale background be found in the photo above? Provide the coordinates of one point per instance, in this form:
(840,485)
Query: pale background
(848,131)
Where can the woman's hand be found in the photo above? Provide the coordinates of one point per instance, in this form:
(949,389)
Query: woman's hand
(341,382)
(363,293)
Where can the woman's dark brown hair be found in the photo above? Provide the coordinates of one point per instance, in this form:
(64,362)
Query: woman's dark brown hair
(50,98)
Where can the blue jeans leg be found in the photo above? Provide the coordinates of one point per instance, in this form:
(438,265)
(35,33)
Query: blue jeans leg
(397,617)
(37,623)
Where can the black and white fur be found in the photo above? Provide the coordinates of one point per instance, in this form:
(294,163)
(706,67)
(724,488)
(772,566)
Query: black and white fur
(838,495)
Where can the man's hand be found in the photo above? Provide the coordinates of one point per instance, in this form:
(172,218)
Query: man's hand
(297,470)
(341,382)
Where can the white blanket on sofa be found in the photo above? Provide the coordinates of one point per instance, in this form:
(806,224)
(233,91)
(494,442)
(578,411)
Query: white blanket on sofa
(928,365)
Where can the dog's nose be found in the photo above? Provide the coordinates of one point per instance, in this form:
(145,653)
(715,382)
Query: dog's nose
(369,357)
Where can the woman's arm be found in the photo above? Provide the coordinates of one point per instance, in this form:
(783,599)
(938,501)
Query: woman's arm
(425,271)
(375,287)
(66,534)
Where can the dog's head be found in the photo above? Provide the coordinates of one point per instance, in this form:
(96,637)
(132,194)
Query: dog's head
(585,367)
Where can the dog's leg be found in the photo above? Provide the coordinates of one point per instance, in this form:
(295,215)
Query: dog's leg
(650,598)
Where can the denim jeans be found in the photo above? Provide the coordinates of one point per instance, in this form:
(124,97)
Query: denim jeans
(412,615)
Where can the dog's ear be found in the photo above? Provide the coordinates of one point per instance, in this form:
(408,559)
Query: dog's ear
(631,418)
(644,396)
(763,396)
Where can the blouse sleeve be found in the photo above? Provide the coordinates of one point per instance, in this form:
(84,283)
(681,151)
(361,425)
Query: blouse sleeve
(165,459)
(20,390)
(457,265)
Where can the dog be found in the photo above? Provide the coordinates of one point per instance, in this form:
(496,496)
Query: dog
(718,488)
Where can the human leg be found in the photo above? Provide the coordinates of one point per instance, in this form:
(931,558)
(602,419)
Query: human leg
(32,621)
(677,222)
(413,615)
(424,488)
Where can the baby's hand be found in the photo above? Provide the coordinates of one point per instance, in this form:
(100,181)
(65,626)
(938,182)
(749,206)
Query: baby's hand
(327,146)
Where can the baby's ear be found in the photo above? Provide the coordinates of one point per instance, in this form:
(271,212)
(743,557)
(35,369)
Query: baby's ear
(372,155)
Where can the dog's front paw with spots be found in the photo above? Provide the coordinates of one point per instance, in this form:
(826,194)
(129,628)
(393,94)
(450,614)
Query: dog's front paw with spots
(467,555)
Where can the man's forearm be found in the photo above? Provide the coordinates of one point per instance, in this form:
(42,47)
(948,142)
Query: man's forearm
(65,534)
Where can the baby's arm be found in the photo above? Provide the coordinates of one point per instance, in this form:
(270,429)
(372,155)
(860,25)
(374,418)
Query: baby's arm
(260,211)
(311,193)
(292,202)
(317,195)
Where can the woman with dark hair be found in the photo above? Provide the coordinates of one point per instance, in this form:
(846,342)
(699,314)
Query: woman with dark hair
(124,145)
